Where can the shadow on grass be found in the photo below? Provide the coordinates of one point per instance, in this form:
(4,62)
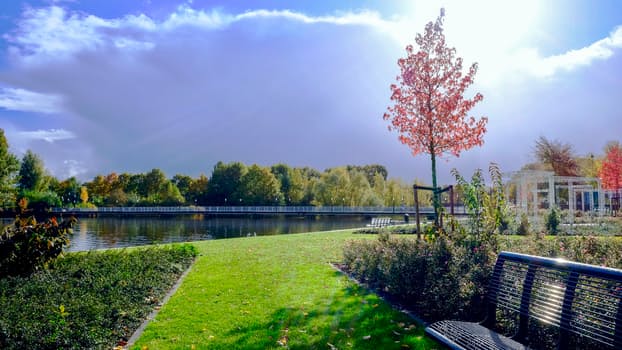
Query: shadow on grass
(353,319)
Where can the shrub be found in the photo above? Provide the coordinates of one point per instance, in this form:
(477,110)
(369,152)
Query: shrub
(41,200)
(27,245)
(91,300)
(552,221)
(440,278)
(523,225)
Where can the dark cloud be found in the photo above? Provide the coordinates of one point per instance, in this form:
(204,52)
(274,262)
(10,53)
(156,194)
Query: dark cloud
(273,89)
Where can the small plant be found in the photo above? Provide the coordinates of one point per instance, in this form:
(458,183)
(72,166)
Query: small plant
(28,245)
(553,221)
(523,225)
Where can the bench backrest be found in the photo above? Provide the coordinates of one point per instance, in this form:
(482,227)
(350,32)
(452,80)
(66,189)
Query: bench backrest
(577,298)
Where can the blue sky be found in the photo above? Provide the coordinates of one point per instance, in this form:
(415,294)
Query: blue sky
(101,86)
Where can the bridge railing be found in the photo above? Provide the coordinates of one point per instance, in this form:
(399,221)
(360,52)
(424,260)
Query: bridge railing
(251,210)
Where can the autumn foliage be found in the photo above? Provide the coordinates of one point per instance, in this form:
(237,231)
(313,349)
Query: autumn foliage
(429,109)
(611,170)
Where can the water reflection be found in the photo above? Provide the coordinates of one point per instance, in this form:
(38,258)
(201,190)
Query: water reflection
(112,232)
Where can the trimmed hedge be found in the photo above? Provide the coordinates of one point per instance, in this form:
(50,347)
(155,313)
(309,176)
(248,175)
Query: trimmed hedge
(88,300)
(447,277)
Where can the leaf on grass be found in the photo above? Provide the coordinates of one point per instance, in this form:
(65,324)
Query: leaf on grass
(331,346)
(367,337)
(283,341)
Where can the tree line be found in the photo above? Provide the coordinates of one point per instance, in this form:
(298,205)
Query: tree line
(230,184)
(237,184)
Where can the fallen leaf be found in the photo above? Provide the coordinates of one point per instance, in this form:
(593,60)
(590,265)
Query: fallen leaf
(367,337)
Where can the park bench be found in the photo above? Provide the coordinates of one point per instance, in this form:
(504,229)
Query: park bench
(579,305)
(379,222)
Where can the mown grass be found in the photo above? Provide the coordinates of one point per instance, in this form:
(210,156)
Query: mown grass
(88,300)
(277,292)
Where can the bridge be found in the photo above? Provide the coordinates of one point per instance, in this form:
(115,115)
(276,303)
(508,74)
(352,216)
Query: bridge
(250,210)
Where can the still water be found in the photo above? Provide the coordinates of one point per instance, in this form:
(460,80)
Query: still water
(115,232)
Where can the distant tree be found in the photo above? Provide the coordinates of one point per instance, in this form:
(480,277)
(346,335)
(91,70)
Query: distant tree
(283,174)
(84,194)
(169,195)
(370,171)
(116,198)
(360,192)
(183,183)
(332,187)
(611,170)
(259,186)
(98,190)
(292,183)
(69,191)
(589,166)
(153,182)
(197,192)
(9,166)
(429,110)
(224,183)
(557,155)
(134,183)
(379,185)
(298,184)
(32,173)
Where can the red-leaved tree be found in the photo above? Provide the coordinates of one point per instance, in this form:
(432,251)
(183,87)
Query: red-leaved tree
(429,110)
(611,169)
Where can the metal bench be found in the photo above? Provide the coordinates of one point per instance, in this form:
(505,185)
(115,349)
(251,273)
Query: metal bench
(379,222)
(580,303)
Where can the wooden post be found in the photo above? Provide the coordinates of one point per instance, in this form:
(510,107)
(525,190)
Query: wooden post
(451,201)
(417,211)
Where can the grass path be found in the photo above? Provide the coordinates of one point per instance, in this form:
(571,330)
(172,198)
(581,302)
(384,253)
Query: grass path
(277,292)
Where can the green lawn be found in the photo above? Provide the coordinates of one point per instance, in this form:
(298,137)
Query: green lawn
(277,292)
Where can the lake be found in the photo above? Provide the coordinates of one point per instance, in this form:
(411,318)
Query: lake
(115,232)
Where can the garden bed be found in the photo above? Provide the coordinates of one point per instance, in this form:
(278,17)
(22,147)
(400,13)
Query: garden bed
(88,300)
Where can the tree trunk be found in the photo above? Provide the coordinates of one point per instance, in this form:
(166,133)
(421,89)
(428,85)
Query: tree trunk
(435,195)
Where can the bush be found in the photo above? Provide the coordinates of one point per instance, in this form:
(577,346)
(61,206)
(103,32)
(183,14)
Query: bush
(552,221)
(41,201)
(523,225)
(440,278)
(91,300)
(446,275)
(27,245)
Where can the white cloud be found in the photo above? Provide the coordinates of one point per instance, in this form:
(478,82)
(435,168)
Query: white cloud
(530,61)
(52,32)
(573,59)
(29,101)
(73,168)
(50,136)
